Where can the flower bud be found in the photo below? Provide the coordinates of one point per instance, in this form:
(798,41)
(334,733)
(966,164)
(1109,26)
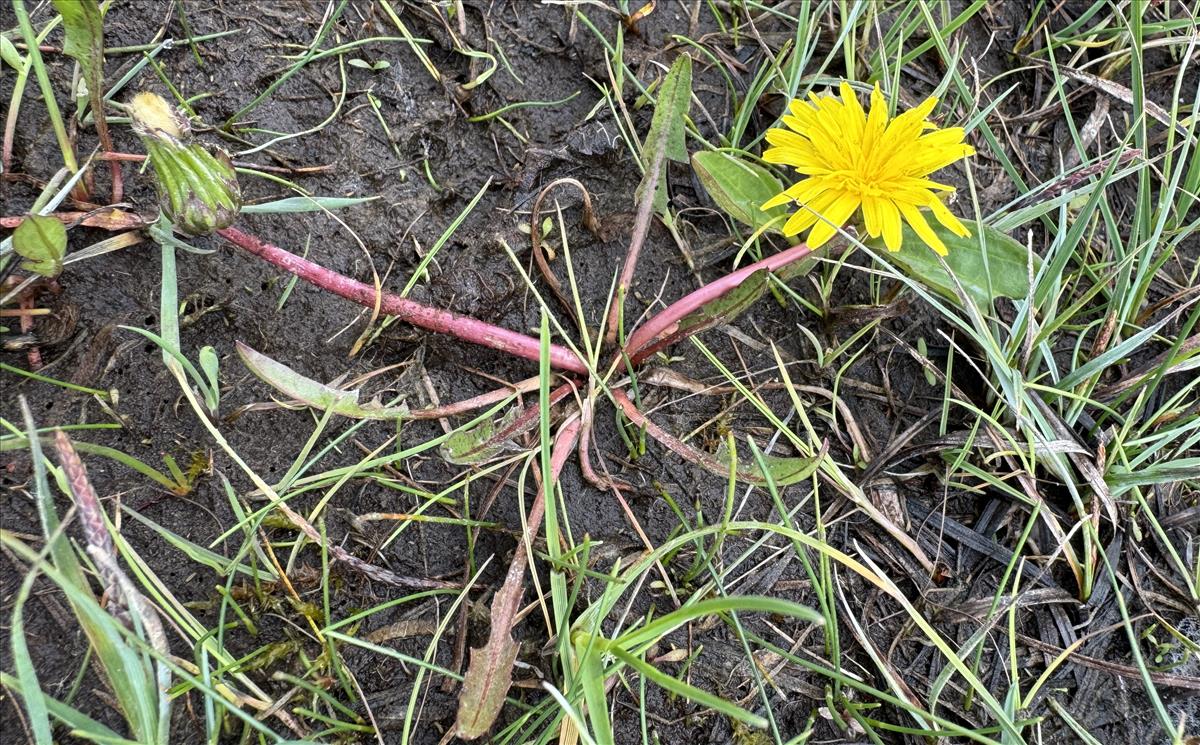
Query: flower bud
(197,189)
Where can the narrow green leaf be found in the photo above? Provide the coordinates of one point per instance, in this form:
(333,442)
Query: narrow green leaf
(1006,266)
(727,307)
(86,727)
(303,204)
(9,53)
(210,364)
(201,555)
(665,141)
(42,242)
(35,701)
(127,671)
(315,394)
(740,187)
(591,681)
(690,692)
(637,639)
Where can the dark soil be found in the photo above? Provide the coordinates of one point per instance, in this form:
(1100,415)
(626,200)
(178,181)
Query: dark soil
(230,296)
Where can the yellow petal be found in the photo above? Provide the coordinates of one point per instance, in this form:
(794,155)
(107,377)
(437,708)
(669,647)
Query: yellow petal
(913,216)
(872,218)
(806,216)
(784,138)
(790,156)
(833,218)
(801,191)
(890,217)
(947,218)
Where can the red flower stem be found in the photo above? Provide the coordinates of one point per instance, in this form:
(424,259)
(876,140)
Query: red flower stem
(409,311)
(663,324)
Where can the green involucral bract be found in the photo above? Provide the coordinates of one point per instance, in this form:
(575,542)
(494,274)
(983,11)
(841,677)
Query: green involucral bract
(198,189)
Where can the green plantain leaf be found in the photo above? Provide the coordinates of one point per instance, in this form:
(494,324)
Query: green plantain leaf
(292,205)
(1007,263)
(42,242)
(740,187)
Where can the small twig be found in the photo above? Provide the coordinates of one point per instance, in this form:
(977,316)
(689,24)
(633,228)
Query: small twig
(374,572)
(476,402)
(33,353)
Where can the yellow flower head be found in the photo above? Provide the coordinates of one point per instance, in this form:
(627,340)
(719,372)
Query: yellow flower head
(854,159)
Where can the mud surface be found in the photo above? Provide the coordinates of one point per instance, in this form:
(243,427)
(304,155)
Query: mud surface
(423,170)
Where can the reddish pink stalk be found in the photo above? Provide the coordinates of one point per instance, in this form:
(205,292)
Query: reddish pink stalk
(409,311)
(664,323)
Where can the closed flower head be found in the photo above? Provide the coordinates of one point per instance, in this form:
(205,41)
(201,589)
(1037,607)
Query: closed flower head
(855,159)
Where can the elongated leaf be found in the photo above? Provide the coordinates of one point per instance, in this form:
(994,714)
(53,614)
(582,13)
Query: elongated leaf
(199,554)
(488,677)
(127,670)
(728,306)
(665,141)
(303,204)
(1007,263)
(690,692)
(794,469)
(740,187)
(722,309)
(84,26)
(9,53)
(84,43)
(636,640)
(784,471)
(317,395)
(42,242)
(1122,479)
(35,703)
(85,725)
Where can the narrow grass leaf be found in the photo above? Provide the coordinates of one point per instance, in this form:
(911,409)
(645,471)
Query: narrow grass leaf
(690,692)
(35,702)
(782,470)
(82,725)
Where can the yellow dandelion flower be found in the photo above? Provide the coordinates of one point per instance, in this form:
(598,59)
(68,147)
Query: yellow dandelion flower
(852,159)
